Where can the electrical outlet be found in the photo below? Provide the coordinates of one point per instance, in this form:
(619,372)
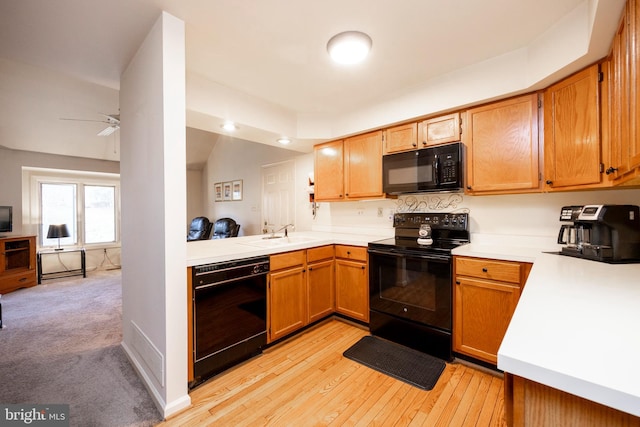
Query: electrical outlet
(380,212)
(360,211)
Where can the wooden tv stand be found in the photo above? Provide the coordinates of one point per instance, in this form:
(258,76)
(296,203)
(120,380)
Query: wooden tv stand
(17,263)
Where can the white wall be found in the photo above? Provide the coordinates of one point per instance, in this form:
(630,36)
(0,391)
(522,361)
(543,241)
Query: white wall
(233,159)
(196,196)
(154,309)
(531,215)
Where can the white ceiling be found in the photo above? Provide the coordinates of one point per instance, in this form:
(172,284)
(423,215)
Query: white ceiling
(274,51)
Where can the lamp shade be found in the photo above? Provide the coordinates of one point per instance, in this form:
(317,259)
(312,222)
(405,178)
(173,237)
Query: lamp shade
(57,231)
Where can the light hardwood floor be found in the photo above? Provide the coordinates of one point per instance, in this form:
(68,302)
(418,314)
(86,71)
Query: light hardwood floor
(305,381)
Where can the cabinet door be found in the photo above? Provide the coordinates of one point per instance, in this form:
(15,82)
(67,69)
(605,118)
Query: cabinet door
(401,138)
(321,289)
(502,146)
(440,130)
(328,167)
(363,165)
(352,289)
(482,312)
(287,302)
(624,93)
(572,131)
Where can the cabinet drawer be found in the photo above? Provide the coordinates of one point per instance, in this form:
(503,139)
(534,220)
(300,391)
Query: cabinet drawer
(318,254)
(13,281)
(286,260)
(504,271)
(356,253)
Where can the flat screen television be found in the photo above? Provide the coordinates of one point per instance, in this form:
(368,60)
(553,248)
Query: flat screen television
(6,219)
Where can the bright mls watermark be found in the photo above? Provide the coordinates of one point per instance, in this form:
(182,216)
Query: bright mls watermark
(34,415)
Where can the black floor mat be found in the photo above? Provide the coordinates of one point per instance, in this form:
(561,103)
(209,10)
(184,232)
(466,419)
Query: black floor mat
(403,363)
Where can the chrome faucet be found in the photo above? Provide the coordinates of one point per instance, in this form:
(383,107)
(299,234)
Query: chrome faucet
(285,228)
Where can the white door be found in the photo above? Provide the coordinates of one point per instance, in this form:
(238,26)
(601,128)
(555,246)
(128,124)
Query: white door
(278,201)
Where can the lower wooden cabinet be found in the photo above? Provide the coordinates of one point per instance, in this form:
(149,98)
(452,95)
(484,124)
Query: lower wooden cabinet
(352,282)
(528,403)
(307,285)
(486,293)
(287,294)
(320,282)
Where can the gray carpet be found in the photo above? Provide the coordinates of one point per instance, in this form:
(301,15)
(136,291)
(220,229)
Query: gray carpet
(61,344)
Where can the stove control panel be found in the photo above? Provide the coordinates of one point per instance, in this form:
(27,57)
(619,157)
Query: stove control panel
(437,220)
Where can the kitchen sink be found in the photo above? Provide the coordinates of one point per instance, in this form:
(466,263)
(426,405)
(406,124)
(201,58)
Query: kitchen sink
(278,241)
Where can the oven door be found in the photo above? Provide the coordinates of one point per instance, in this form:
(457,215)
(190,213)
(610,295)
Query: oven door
(412,286)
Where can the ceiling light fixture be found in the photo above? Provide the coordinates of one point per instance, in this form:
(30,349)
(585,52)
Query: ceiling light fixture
(284,140)
(349,47)
(229,126)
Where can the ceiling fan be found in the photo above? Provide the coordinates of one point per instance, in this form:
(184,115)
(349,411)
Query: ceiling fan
(112,120)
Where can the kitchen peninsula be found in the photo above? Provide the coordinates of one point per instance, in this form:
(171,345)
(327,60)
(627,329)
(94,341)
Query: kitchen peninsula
(571,332)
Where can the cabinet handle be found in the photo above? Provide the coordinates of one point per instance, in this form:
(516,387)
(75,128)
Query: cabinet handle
(23,279)
(424,143)
(414,144)
(484,270)
(363,267)
(348,252)
(310,268)
(610,170)
(469,187)
(457,282)
(549,182)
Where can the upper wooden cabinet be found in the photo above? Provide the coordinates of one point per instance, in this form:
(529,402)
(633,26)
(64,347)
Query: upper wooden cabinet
(401,138)
(349,169)
(440,130)
(329,171)
(621,114)
(501,139)
(412,136)
(572,151)
(363,165)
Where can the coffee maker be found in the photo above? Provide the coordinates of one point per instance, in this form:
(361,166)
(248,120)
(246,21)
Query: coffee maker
(606,233)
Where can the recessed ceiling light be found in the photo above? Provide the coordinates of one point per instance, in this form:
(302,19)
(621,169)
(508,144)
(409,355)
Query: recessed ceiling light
(229,126)
(284,140)
(349,47)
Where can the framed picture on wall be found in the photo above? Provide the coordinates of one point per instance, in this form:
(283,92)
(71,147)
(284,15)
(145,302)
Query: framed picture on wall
(217,191)
(236,190)
(226,191)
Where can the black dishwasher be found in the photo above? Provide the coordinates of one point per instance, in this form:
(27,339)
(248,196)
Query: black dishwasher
(229,314)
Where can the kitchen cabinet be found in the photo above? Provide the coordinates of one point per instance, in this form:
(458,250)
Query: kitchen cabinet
(440,130)
(501,139)
(320,282)
(572,151)
(432,131)
(17,263)
(486,293)
(352,282)
(528,403)
(329,171)
(401,138)
(349,169)
(287,294)
(621,114)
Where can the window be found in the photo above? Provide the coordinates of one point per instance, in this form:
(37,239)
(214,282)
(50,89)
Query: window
(87,202)
(58,206)
(99,214)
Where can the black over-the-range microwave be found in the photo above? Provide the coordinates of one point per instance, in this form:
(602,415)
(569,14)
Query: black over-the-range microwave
(436,168)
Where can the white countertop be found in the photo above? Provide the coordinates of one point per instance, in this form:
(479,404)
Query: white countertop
(576,327)
(209,251)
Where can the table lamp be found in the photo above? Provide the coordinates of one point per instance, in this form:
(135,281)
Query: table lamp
(58,231)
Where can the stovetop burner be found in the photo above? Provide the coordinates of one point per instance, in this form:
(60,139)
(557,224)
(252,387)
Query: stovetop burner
(448,231)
